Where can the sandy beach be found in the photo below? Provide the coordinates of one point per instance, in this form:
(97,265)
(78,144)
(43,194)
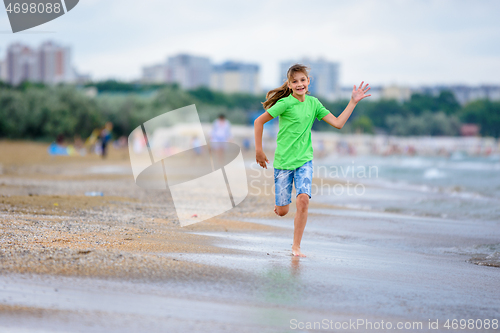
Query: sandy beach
(121,263)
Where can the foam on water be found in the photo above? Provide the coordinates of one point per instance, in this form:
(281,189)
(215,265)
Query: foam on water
(480,254)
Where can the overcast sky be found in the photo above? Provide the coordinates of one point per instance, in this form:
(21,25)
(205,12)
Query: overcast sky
(406,42)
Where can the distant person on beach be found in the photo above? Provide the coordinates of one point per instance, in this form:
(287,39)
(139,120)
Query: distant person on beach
(92,143)
(139,141)
(105,137)
(221,132)
(294,153)
(58,147)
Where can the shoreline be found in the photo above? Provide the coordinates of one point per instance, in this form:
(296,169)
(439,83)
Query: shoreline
(73,262)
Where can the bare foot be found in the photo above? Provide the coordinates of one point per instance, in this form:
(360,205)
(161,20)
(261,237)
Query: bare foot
(296,252)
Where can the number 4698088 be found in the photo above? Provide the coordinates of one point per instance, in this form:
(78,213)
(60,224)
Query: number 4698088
(34,8)
(471,324)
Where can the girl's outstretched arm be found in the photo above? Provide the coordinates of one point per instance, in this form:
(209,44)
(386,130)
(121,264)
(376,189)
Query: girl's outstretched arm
(260,157)
(357,95)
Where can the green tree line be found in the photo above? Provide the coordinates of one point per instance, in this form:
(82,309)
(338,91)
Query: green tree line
(35,111)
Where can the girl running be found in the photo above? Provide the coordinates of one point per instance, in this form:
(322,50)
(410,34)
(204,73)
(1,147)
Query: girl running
(294,153)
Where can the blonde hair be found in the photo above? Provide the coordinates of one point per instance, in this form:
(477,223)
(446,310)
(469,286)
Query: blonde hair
(276,94)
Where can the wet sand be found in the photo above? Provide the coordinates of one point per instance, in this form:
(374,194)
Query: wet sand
(121,263)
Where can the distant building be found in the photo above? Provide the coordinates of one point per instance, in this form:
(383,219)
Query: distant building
(375,92)
(398,93)
(54,64)
(324,76)
(49,64)
(463,94)
(189,71)
(154,74)
(81,79)
(3,71)
(22,64)
(231,77)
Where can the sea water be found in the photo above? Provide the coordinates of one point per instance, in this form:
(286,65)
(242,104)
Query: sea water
(458,187)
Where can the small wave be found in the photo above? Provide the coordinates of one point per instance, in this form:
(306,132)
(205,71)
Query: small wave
(434,173)
(453,191)
(492,260)
(471,165)
(466,195)
(475,250)
(401,185)
(415,162)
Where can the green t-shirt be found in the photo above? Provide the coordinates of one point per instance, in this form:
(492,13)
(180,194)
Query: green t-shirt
(294,145)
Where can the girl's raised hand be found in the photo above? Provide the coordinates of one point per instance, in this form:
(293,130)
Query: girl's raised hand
(359,94)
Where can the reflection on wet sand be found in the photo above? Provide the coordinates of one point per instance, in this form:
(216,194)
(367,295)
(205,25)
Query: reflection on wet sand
(295,266)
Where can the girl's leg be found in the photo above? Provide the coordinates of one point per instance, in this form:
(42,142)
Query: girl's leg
(303,181)
(281,210)
(300,223)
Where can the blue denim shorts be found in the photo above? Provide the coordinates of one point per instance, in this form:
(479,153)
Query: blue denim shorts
(302,177)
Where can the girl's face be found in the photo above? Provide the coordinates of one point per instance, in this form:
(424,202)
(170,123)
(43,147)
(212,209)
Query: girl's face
(298,83)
